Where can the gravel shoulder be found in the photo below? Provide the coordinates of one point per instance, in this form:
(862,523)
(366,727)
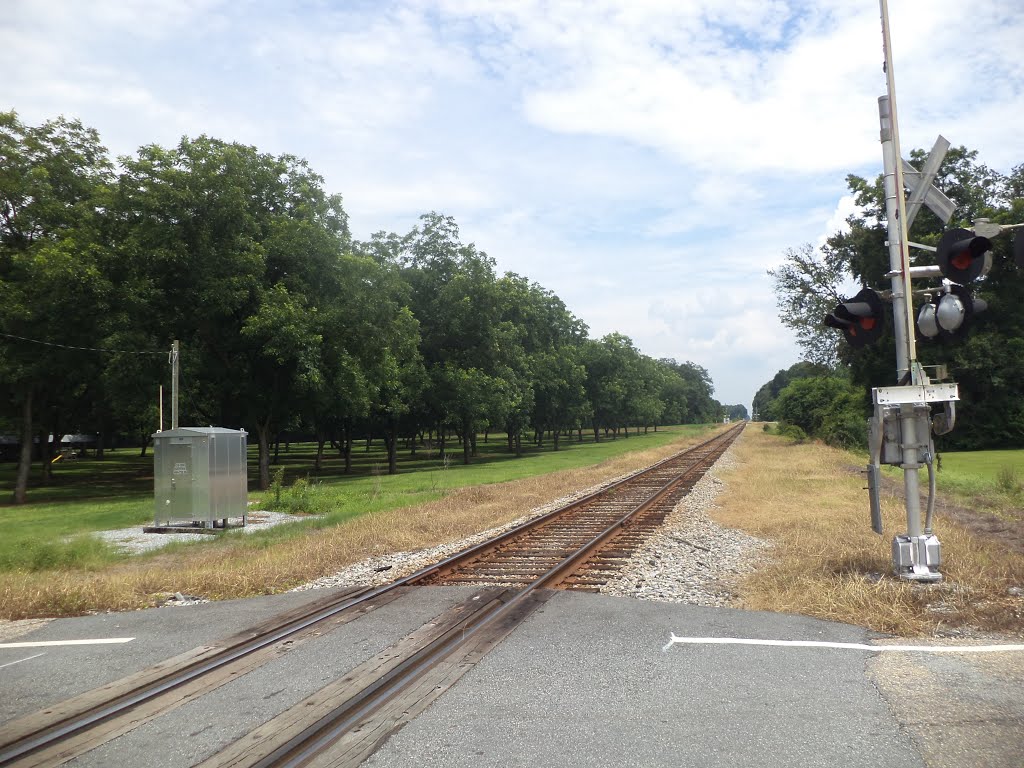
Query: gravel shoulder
(692,559)
(135,541)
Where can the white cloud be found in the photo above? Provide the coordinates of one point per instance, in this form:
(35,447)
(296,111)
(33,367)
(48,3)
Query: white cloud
(361,73)
(647,160)
(717,106)
(845,208)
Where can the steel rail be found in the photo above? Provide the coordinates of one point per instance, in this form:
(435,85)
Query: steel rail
(462,570)
(82,721)
(538,522)
(320,735)
(700,467)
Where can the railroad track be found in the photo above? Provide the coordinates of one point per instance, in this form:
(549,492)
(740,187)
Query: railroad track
(579,546)
(600,531)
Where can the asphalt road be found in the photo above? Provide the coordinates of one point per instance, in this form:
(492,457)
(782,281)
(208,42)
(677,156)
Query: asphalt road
(586,681)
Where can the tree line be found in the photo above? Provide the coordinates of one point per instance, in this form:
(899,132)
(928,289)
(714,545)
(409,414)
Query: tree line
(828,394)
(286,322)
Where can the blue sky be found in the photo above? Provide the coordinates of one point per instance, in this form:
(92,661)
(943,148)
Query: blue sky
(648,161)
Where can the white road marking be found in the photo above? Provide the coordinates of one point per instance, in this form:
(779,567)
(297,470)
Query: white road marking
(12,663)
(47,643)
(846,646)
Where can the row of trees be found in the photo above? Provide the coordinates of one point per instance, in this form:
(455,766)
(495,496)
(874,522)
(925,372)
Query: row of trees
(829,392)
(810,399)
(285,321)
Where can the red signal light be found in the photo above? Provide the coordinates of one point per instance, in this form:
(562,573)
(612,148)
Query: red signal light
(963,256)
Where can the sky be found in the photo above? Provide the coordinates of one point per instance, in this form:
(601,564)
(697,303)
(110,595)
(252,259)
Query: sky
(647,160)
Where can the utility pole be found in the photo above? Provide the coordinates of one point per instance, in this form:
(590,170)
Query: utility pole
(896,216)
(175,348)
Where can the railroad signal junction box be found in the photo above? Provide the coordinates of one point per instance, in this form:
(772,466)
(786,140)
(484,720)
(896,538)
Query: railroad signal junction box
(200,478)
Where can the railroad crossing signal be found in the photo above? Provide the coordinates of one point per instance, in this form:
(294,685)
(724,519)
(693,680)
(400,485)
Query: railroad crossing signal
(949,315)
(921,188)
(963,256)
(861,319)
(985,228)
(901,430)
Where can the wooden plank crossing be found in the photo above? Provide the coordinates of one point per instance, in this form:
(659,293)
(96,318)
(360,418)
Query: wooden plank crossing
(75,744)
(348,692)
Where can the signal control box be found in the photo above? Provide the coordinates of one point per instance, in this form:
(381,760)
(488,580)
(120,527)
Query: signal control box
(885,432)
(200,477)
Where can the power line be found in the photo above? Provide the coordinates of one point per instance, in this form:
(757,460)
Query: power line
(85,349)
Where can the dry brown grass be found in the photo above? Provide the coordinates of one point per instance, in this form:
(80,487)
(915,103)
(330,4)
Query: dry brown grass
(826,561)
(804,498)
(237,570)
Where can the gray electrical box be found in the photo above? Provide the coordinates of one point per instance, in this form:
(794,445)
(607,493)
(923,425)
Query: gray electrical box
(200,477)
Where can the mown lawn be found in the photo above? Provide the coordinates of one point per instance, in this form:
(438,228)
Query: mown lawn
(982,465)
(991,480)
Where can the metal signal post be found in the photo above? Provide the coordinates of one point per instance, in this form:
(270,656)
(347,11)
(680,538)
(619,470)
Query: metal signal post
(896,214)
(901,428)
(902,422)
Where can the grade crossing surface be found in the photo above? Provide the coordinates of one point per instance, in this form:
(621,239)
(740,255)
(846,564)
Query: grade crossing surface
(569,537)
(582,679)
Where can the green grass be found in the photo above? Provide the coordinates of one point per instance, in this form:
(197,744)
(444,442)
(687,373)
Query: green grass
(997,476)
(992,481)
(984,465)
(84,496)
(89,495)
(47,535)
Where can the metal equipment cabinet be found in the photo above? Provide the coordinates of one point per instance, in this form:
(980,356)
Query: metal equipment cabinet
(200,477)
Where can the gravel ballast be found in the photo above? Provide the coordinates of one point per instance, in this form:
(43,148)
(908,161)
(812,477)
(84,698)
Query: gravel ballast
(691,560)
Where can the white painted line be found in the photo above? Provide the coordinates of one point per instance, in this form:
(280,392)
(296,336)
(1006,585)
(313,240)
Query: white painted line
(48,643)
(27,658)
(846,646)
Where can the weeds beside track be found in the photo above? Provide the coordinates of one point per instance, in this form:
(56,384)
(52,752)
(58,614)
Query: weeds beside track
(809,500)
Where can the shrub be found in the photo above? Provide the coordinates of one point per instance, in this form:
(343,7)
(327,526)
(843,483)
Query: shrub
(277,485)
(303,497)
(829,407)
(845,430)
(793,432)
